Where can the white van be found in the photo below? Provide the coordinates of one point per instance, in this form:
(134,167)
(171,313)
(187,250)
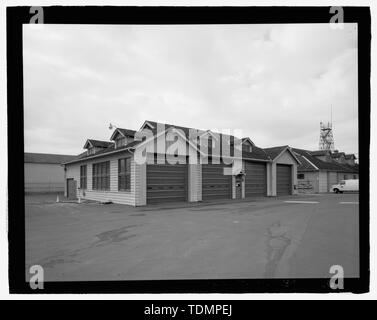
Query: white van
(346,185)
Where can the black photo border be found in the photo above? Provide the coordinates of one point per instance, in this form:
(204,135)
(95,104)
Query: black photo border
(17,16)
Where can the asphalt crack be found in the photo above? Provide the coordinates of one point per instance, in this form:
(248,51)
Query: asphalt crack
(277,242)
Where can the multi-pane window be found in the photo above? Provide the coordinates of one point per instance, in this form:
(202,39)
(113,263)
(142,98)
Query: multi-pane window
(83,176)
(124,174)
(301,176)
(101,176)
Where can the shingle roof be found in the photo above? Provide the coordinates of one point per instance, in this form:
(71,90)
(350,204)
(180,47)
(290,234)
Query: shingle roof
(109,149)
(257,153)
(321,165)
(127,132)
(274,151)
(99,143)
(319,152)
(304,165)
(350,156)
(337,154)
(47,158)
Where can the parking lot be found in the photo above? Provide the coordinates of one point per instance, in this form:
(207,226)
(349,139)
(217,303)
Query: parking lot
(287,237)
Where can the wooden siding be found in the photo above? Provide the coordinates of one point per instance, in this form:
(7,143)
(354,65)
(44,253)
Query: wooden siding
(323,181)
(113,195)
(309,184)
(332,178)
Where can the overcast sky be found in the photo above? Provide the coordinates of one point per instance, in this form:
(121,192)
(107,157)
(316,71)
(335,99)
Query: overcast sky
(274,82)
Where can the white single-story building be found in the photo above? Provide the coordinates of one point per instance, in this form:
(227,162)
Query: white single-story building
(138,170)
(319,170)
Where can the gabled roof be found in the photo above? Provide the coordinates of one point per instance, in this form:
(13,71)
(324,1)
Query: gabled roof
(108,150)
(257,153)
(321,165)
(350,156)
(210,133)
(154,124)
(275,152)
(337,154)
(305,164)
(123,132)
(47,158)
(97,143)
(247,139)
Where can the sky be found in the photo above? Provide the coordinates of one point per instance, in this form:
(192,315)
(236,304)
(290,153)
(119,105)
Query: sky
(273,82)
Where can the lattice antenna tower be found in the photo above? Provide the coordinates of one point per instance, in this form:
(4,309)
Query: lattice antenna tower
(326,138)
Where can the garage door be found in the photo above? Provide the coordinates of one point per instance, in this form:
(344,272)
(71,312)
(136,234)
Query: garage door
(332,179)
(256,179)
(216,185)
(166,182)
(283,180)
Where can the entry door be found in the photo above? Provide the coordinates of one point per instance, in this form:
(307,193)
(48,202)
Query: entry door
(71,188)
(238,187)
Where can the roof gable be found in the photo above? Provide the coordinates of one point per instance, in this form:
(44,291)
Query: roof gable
(350,156)
(248,140)
(276,152)
(123,133)
(322,165)
(90,143)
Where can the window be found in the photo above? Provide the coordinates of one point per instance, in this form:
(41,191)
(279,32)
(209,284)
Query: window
(83,177)
(301,176)
(345,177)
(124,174)
(355,176)
(120,142)
(246,147)
(101,176)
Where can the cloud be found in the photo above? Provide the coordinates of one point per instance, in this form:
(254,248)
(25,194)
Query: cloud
(274,82)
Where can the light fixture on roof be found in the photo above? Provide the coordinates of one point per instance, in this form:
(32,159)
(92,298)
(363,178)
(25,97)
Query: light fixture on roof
(112,126)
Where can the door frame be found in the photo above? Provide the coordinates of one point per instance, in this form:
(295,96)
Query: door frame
(67,182)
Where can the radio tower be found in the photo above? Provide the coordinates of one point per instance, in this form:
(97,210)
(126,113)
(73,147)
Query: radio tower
(326,139)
